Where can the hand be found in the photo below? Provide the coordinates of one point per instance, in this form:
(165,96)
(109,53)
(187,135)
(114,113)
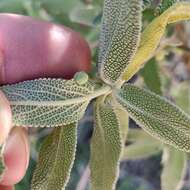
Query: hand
(16,149)
(56,52)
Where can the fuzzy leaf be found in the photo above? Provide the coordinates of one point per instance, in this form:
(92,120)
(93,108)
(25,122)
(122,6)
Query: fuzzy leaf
(142,145)
(150,74)
(156,115)
(56,159)
(141,150)
(121,26)
(164,5)
(105,147)
(181,95)
(174,169)
(147,3)
(153,33)
(123,118)
(48,102)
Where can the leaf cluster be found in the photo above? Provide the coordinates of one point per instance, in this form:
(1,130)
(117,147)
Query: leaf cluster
(59,103)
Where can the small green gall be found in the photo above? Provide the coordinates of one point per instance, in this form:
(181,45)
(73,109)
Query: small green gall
(81,78)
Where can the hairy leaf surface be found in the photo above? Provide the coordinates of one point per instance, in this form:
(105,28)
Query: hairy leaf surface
(56,159)
(141,150)
(157,116)
(164,5)
(152,34)
(49,102)
(174,169)
(119,38)
(147,3)
(123,118)
(105,147)
(142,145)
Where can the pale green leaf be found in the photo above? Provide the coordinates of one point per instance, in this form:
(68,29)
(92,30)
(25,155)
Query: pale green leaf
(139,135)
(174,169)
(143,149)
(106,147)
(152,35)
(60,6)
(49,102)
(56,159)
(13,6)
(150,74)
(85,14)
(142,145)
(121,26)
(164,5)
(156,115)
(181,95)
(123,118)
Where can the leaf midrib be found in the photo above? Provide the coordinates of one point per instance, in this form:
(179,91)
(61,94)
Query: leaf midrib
(148,114)
(61,103)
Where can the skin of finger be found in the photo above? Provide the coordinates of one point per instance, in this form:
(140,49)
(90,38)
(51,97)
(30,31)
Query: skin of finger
(16,156)
(2,187)
(5,117)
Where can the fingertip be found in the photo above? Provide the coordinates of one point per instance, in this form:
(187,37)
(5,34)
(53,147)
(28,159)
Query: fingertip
(5,117)
(2,187)
(16,156)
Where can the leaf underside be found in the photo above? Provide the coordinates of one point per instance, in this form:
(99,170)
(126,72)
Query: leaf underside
(105,147)
(174,169)
(56,159)
(123,118)
(151,36)
(142,145)
(47,102)
(156,115)
(119,37)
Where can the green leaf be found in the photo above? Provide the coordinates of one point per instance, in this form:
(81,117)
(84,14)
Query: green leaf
(59,6)
(150,74)
(142,145)
(120,33)
(164,5)
(141,150)
(123,118)
(147,3)
(174,169)
(181,95)
(85,14)
(49,102)
(12,6)
(56,159)
(152,35)
(156,115)
(106,147)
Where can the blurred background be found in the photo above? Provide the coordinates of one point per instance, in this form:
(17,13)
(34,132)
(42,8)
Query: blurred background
(168,73)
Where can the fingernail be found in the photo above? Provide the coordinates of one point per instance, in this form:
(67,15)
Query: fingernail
(5,118)
(16,156)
